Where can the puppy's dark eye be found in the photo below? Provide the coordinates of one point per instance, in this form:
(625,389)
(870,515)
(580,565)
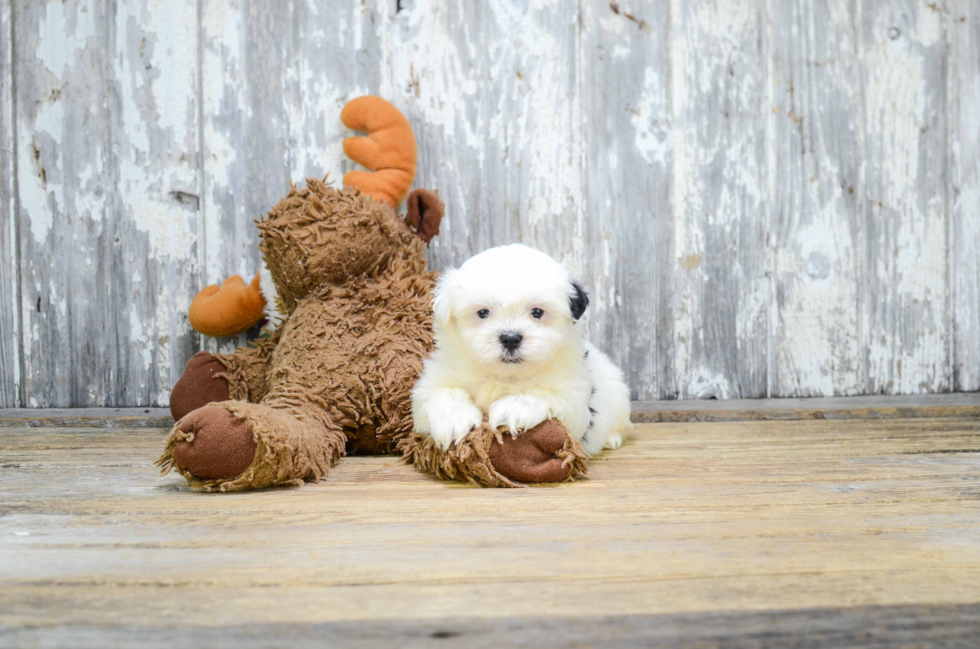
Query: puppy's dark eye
(483,314)
(537,313)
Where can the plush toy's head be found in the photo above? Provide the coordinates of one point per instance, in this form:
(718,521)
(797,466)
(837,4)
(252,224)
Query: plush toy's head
(319,235)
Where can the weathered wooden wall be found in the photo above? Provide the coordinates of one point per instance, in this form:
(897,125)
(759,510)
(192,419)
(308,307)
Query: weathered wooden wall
(765,197)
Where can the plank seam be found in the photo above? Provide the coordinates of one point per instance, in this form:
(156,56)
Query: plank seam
(861,243)
(18,336)
(772,311)
(202,181)
(580,129)
(947,206)
(660,388)
(115,392)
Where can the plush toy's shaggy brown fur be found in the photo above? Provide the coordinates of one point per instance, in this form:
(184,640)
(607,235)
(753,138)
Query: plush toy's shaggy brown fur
(545,453)
(336,376)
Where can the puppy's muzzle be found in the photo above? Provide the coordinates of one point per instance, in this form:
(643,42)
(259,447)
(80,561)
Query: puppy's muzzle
(511,341)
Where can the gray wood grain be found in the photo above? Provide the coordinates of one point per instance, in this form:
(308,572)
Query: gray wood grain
(627,126)
(859,627)
(721,293)
(530,126)
(152,235)
(906,333)
(62,54)
(816,219)
(963,93)
(493,92)
(10,347)
(107,172)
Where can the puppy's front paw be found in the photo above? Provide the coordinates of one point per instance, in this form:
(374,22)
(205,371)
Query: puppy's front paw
(518,413)
(452,422)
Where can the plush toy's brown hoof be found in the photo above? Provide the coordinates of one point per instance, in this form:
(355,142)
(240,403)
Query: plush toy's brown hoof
(221,448)
(198,386)
(531,456)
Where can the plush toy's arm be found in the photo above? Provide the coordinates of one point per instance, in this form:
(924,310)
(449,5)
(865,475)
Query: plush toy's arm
(229,310)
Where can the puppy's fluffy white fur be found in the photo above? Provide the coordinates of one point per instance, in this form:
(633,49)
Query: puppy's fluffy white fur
(551,373)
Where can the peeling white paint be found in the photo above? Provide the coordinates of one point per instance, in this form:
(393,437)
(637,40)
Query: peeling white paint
(319,134)
(708,385)
(899,103)
(67,35)
(145,178)
(41,192)
(718,187)
(428,64)
(652,136)
(225,84)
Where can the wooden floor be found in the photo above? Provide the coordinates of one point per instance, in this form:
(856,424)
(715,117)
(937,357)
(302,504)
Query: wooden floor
(748,533)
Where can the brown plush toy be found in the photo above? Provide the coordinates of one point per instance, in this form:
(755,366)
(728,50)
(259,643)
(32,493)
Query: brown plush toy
(336,375)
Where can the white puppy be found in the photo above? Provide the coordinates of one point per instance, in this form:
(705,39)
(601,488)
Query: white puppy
(507,345)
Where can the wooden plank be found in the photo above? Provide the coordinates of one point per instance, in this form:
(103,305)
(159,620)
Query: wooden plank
(963,93)
(61,55)
(107,157)
(905,330)
(274,79)
(530,113)
(151,230)
(721,293)
(111,418)
(10,347)
(817,220)
(685,519)
(876,407)
(627,122)
(954,627)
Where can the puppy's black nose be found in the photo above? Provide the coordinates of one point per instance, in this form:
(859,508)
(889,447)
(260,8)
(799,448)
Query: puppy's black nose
(511,340)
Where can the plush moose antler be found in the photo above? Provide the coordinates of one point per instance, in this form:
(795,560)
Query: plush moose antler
(388,150)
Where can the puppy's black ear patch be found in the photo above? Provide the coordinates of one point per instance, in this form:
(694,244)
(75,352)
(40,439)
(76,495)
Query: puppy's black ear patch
(579,301)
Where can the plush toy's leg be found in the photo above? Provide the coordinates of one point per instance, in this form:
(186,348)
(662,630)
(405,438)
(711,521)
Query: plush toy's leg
(489,458)
(201,383)
(208,378)
(235,445)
